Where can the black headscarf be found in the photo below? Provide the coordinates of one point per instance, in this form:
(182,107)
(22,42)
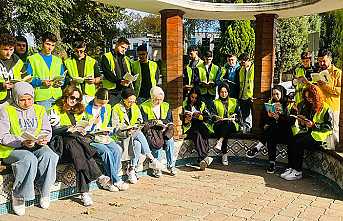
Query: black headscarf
(197,105)
(228,91)
(283,98)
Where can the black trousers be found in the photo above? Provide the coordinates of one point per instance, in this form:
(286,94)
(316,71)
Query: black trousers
(224,129)
(199,134)
(274,135)
(298,144)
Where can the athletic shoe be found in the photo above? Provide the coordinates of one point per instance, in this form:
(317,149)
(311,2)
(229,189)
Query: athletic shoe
(44,202)
(271,168)
(225,160)
(287,171)
(252,153)
(155,165)
(294,175)
(121,185)
(172,171)
(110,187)
(157,173)
(103,180)
(18,205)
(86,199)
(132,177)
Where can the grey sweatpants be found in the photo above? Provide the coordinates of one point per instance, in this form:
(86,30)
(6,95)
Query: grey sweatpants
(28,167)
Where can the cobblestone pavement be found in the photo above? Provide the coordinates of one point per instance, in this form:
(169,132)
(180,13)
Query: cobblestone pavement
(236,192)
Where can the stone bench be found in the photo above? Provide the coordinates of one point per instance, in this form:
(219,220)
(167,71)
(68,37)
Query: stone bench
(326,163)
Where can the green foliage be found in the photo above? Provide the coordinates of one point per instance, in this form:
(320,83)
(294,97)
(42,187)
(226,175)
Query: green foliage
(136,24)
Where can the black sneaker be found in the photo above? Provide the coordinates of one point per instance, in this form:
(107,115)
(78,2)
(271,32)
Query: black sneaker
(252,153)
(271,168)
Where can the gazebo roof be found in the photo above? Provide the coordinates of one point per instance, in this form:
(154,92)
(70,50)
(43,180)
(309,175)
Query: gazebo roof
(206,9)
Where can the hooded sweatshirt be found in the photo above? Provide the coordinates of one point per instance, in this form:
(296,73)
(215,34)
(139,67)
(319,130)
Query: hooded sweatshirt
(28,120)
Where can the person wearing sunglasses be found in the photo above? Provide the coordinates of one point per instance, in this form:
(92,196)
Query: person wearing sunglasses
(70,144)
(83,71)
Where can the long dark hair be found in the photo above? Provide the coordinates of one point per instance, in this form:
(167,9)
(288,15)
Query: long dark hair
(79,108)
(284,98)
(197,104)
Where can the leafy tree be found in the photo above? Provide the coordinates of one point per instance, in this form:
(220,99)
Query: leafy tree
(136,24)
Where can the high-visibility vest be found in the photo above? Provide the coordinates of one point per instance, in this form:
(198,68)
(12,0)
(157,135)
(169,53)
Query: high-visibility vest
(147,108)
(136,68)
(135,112)
(109,84)
(64,119)
(299,72)
(41,71)
(212,77)
(202,108)
(107,116)
(71,66)
(231,107)
(246,82)
(190,71)
(15,129)
(317,119)
(16,75)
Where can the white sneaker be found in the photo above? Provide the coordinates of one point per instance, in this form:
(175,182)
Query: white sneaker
(287,171)
(44,202)
(132,177)
(155,165)
(294,175)
(219,143)
(110,187)
(18,205)
(121,185)
(103,180)
(157,173)
(225,160)
(86,199)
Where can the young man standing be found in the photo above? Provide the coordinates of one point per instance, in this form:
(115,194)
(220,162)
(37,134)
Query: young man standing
(191,73)
(21,48)
(331,88)
(230,73)
(148,74)
(115,65)
(11,67)
(47,72)
(80,65)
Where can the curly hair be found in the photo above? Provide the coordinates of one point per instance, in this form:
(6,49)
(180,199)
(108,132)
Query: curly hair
(62,103)
(7,40)
(317,96)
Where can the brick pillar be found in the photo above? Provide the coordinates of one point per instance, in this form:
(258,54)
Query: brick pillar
(264,64)
(172,55)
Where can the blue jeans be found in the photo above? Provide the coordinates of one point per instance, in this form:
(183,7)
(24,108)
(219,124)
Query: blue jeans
(157,153)
(111,157)
(47,103)
(140,145)
(27,166)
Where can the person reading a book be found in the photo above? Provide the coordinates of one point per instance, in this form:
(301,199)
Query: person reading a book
(276,126)
(11,67)
(159,128)
(312,130)
(83,70)
(126,119)
(148,74)
(331,88)
(191,75)
(196,125)
(70,144)
(30,157)
(227,119)
(98,113)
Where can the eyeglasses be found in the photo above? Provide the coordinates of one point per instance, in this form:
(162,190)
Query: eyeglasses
(74,98)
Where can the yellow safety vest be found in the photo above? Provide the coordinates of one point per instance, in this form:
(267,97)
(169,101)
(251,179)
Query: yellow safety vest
(212,77)
(299,72)
(41,71)
(231,107)
(107,116)
(112,85)
(71,66)
(190,72)
(188,126)
(64,119)
(317,119)
(136,68)
(147,107)
(246,82)
(15,129)
(16,75)
(134,113)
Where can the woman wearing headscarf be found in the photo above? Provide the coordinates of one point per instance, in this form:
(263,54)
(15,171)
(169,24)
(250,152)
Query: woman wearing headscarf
(276,126)
(70,143)
(227,119)
(24,133)
(196,125)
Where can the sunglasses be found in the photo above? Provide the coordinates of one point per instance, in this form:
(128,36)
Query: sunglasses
(74,98)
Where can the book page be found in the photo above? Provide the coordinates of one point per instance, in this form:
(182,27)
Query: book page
(130,77)
(269,107)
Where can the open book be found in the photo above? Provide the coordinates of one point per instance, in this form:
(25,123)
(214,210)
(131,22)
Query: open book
(228,81)
(187,112)
(27,78)
(133,127)
(207,84)
(80,80)
(103,131)
(322,76)
(129,77)
(160,125)
(28,136)
(269,107)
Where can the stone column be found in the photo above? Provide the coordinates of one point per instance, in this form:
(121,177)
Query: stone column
(172,55)
(265,35)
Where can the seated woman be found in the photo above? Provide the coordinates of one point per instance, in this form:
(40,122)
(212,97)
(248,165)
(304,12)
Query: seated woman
(158,117)
(196,125)
(312,130)
(126,119)
(227,119)
(70,143)
(98,113)
(277,129)
(24,133)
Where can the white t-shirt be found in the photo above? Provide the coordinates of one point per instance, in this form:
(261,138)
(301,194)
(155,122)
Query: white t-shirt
(157,111)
